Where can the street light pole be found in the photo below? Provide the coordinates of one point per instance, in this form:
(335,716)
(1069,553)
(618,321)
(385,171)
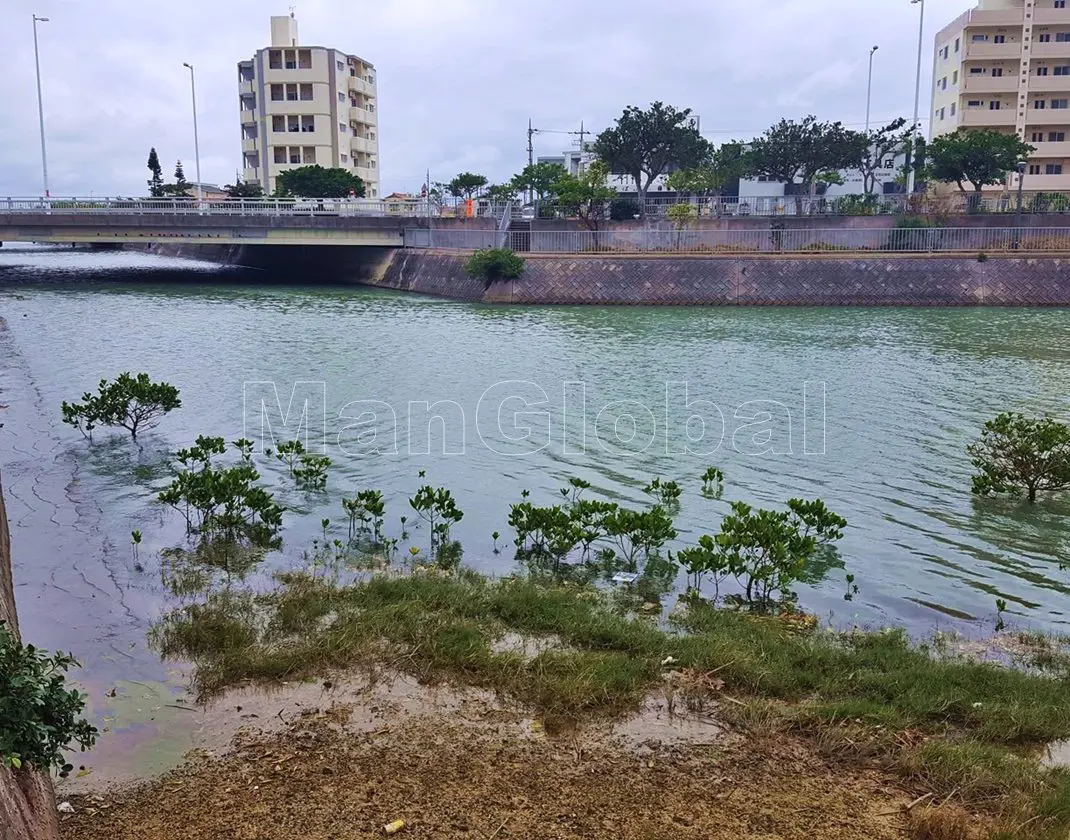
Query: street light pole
(196,140)
(1018,214)
(40,101)
(869,100)
(869,86)
(917,99)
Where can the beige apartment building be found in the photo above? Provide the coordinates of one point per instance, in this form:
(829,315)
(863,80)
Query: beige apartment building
(303,105)
(1005,65)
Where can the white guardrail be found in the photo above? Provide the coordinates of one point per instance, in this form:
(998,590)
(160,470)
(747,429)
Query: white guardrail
(974,240)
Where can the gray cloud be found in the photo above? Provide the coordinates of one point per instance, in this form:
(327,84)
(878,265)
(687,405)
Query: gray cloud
(458,79)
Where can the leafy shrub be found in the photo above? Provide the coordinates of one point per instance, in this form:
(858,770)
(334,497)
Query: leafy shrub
(222,502)
(1018,453)
(767,551)
(623,209)
(1049,203)
(665,492)
(439,509)
(857,205)
(492,264)
(132,402)
(39,715)
(911,233)
(712,479)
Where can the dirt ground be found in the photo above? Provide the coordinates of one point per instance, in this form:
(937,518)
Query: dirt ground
(469,768)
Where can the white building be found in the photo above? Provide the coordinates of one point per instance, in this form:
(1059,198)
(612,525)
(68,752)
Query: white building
(302,105)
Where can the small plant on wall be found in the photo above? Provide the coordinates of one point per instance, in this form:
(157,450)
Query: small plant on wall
(492,264)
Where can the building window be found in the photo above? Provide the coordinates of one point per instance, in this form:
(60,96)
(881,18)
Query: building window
(295,154)
(974,103)
(940,114)
(977,71)
(994,105)
(1060,103)
(308,124)
(304,59)
(306,92)
(957,44)
(999,39)
(952,109)
(1044,37)
(292,124)
(1060,4)
(955,78)
(275,60)
(291,60)
(291,93)
(277,93)
(1062,36)
(1042,71)
(278,122)
(997,71)
(342,127)
(309,154)
(945,54)
(1040,104)
(1056,136)
(1062,71)
(341,66)
(1053,169)
(977,39)
(344,158)
(1038,137)
(1034,169)
(341,97)
(280,154)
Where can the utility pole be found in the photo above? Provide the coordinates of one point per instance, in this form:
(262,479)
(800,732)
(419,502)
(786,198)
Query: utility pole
(917,99)
(531,156)
(582,133)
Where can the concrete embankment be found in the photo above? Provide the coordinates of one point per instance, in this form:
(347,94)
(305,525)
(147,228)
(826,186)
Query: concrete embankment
(744,281)
(27,803)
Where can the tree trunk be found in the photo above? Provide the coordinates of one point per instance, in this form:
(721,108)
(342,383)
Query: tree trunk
(27,803)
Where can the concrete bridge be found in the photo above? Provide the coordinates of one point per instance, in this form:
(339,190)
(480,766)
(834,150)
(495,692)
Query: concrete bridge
(290,222)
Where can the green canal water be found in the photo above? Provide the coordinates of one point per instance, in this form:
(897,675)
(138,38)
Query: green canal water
(869,409)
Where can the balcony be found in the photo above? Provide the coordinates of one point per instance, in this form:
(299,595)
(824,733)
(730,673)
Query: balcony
(1050,150)
(983,117)
(1047,183)
(1049,16)
(1051,49)
(983,50)
(246,88)
(251,173)
(362,144)
(997,17)
(356,83)
(248,144)
(1050,84)
(1048,116)
(248,117)
(990,84)
(366,174)
(359,115)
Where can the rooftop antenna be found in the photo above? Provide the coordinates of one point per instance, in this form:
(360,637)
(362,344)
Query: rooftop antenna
(292,10)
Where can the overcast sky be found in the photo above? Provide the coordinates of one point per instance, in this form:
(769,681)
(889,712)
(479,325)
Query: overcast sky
(458,79)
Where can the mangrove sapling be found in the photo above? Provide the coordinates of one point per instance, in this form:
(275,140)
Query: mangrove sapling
(1019,454)
(701,560)
(312,473)
(664,492)
(767,550)
(135,541)
(575,489)
(589,515)
(290,452)
(494,537)
(438,508)
(134,403)
(712,481)
(245,448)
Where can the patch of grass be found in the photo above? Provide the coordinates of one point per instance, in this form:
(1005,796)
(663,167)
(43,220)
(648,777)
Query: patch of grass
(970,721)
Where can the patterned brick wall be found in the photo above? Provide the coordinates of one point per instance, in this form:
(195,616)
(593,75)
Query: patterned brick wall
(814,281)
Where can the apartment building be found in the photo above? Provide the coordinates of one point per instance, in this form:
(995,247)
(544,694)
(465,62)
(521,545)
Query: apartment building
(303,105)
(1005,65)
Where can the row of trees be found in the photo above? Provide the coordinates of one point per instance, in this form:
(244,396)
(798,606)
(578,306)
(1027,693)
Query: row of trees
(303,181)
(645,144)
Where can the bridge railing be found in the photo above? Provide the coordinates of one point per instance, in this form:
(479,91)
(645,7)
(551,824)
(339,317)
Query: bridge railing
(416,208)
(931,240)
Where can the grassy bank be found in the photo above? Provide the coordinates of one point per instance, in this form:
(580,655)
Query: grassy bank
(948,726)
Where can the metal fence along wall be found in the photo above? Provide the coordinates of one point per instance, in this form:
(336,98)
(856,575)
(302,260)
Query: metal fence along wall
(916,240)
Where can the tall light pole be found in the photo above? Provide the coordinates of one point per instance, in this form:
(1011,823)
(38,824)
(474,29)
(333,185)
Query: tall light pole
(917,99)
(1018,214)
(40,101)
(196,140)
(869,86)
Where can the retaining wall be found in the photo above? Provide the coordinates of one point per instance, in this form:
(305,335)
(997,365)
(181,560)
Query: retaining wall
(755,281)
